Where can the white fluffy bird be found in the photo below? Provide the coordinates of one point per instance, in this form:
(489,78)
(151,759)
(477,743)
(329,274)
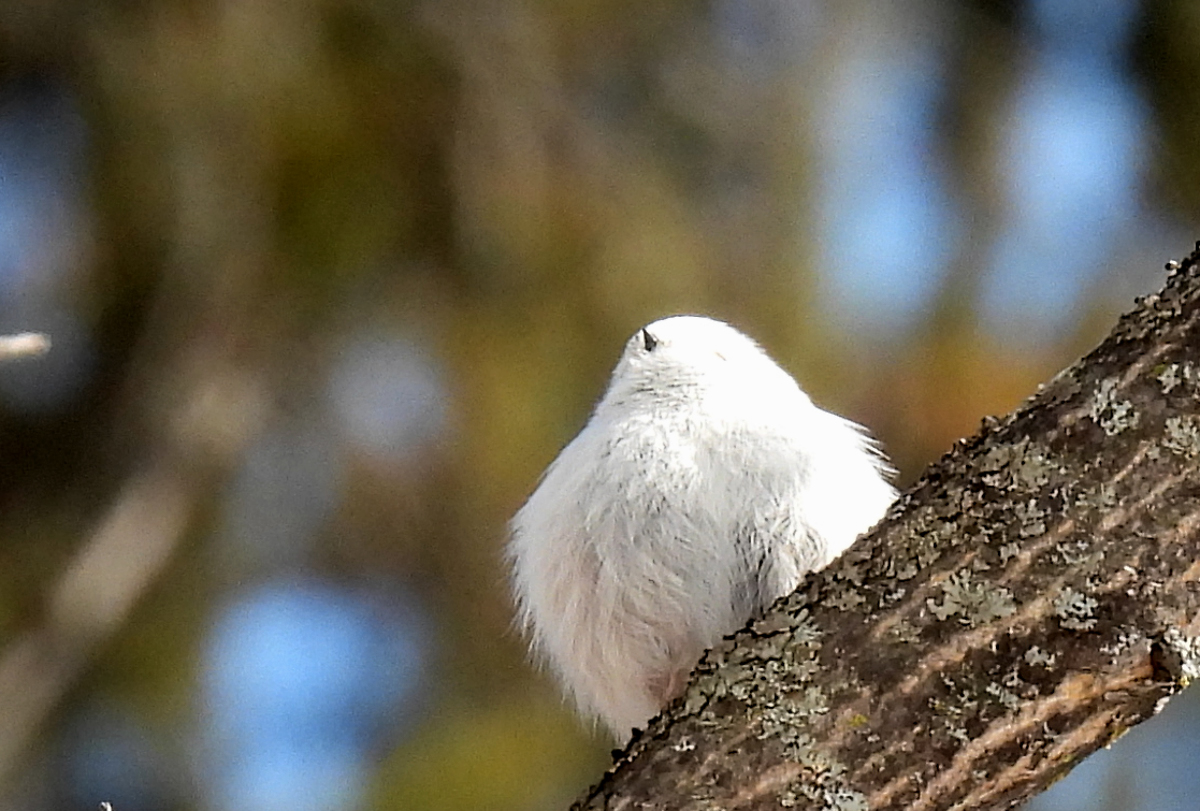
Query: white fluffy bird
(705,484)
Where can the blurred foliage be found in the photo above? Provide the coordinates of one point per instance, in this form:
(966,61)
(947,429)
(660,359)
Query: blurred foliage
(514,187)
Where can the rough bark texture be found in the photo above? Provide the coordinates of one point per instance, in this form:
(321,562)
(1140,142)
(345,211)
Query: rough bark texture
(1030,599)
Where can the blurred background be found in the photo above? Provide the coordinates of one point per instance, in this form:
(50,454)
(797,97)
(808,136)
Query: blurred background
(331,281)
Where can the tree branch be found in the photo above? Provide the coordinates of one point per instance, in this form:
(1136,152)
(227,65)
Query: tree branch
(23,345)
(1029,600)
(127,552)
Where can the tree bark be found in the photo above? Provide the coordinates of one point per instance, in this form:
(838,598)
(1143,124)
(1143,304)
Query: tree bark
(1027,601)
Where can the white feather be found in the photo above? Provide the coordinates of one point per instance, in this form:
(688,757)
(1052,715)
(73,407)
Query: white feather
(705,484)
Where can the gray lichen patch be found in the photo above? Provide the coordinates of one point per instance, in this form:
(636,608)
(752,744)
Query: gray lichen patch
(1075,611)
(774,622)
(1031,518)
(846,800)
(777,682)
(1102,498)
(847,600)
(1111,413)
(1127,637)
(786,718)
(999,457)
(776,672)
(1035,468)
(969,702)
(1007,698)
(905,632)
(932,536)
(822,781)
(1187,650)
(975,603)
(805,631)
(996,464)
(1183,436)
(1038,657)
(1025,466)
(953,711)
(684,744)
(1076,552)
(1174,374)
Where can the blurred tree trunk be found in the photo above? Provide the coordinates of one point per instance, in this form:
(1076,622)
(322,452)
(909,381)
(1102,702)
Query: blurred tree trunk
(1032,597)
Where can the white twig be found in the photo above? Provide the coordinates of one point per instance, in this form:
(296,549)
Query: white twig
(23,345)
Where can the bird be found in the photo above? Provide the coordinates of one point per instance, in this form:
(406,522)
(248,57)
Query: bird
(702,488)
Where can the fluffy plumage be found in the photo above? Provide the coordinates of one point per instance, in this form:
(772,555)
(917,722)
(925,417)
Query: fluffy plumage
(705,484)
